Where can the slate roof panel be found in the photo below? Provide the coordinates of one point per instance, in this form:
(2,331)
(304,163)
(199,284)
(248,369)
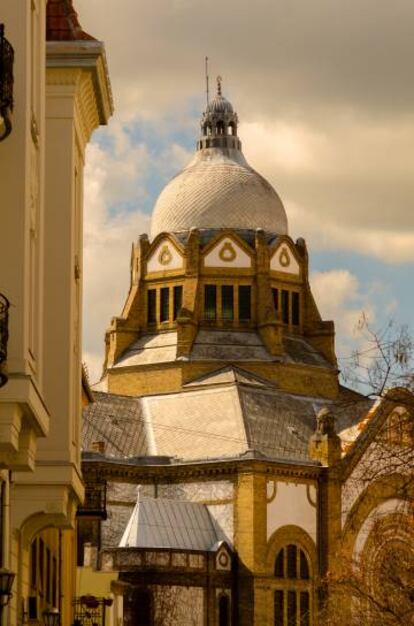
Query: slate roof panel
(175,524)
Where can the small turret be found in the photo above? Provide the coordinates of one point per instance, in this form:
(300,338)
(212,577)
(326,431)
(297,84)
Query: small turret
(325,445)
(219,124)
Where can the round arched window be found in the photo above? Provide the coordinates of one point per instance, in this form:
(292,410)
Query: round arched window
(292,596)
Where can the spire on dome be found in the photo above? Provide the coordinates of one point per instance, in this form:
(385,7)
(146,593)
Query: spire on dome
(219,123)
(62,22)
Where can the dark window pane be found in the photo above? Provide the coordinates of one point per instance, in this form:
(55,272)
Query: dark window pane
(278,600)
(245,303)
(165,305)
(279,565)
(48,575)
(178,300)
(33,564)
(54,582)
(227,302)
(275,296)
(224,611)
(210,302)
(304,609)
(41,564)
(285,306)
(142,609)
(291,562)
(291,608)
(295,308)
(152,306)
(304,567)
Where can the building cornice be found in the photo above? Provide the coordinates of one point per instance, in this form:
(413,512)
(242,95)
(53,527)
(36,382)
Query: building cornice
(119,470)
(90,57)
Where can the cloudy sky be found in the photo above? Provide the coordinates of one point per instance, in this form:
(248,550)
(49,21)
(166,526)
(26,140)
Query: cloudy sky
(325,93)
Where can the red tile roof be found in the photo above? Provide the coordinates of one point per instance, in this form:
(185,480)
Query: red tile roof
(62,22)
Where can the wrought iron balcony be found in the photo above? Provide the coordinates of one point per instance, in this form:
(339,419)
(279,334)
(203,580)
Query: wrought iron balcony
(6,85)
(4,335)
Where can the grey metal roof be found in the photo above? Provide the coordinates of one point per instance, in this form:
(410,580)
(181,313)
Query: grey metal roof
(207,234)
(229,345)
(162,523)
(223,414)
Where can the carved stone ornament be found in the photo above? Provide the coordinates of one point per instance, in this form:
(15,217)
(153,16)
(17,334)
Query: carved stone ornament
(223,559)
(284,258)
(227,252)
(165,255)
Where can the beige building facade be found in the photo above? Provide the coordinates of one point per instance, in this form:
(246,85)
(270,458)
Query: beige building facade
(61,94)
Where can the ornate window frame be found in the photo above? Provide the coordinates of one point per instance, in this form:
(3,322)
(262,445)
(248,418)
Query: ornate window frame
(281,538)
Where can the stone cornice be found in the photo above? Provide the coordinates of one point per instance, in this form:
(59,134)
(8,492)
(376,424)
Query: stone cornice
(88,56)
(119,471)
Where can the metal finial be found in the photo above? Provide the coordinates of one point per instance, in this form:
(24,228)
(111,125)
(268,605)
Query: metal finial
(219,81)
(207,88)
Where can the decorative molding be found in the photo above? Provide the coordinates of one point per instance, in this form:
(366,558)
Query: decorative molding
(165,255)
(273,494)
(309,497)
(227,252)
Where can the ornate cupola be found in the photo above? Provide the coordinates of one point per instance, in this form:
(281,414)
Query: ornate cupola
(218,188)
(219,124)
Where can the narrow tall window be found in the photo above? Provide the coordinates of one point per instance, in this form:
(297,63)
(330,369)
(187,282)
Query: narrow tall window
(48,575)
(152,306)
(285,306)
(279,605)
(275,295)
(292,602)
(295,308)
(292,608)
(33,564)
(224,611)
(140,613)
(227,302)
(304,609)
(178,300)
(210,302)
(165,305)
(291,561)
(245,303)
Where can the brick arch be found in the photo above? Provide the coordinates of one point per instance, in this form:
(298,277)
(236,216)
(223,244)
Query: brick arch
(377,493)
(286,535)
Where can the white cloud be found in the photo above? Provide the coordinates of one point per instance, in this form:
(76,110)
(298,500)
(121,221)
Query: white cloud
(340,297)
(110,178)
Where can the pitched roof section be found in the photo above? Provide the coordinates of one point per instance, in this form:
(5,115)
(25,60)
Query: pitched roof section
(162,523)
(116,421)
(225,375)
(224,415)
(62,22)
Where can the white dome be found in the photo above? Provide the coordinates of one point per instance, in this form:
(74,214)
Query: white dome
(218,189)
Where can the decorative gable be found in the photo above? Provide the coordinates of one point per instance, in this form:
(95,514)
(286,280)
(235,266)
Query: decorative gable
(227,253)
(165,257)
(283,260)
(223,558)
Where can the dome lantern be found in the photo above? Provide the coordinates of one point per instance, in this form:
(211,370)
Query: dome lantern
(219,123)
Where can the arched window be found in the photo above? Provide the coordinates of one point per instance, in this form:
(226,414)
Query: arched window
(292,596)
(220,128)
(224,610)
(231,129)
